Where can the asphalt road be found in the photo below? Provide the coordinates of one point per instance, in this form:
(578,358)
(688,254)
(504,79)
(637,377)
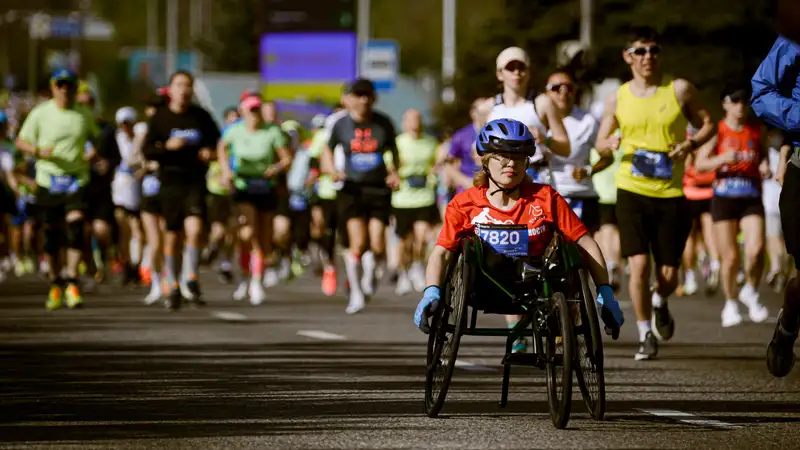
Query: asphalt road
(297,372)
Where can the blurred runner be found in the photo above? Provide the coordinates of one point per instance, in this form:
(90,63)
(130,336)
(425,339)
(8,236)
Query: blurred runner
(771,187)
(55,133)
(414,202)
(737,156)
(181,138)
(776,100)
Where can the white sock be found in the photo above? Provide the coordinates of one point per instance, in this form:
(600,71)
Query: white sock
(658,301)
(147,259)
(353,266)
(135,252)
(729,303)
(714,265)
(155,281)
(689,275)
(368,265)
(644,328)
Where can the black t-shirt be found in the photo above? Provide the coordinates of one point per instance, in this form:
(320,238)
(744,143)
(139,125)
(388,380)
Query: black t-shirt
(106,133)
(198,130)
(364,145)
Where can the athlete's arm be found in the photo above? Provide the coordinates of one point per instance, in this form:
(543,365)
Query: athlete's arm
(326,163)
(29,134)
(696,112)
(437,263)
(607,143)
(391,144)
(772,86)
(209,134)
(485,109)
(570,225)
(783,162)
(155,140)
(706,161)
(285,157)
(552,120)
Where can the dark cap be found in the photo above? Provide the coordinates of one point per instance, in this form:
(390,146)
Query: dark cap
(362,86)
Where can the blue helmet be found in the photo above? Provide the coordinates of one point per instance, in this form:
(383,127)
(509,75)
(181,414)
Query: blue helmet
(506,136)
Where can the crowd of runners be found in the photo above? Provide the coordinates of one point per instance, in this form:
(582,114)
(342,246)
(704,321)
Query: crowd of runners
(678,202)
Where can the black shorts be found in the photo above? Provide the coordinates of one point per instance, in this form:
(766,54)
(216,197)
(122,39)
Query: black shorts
(151,205)
(220,208)
(100,205)
(406,217)
(179,201)
(607,214)
(364,202)
(697,208)
(790,216)
(657,225)
(588,209)
(53,208)
(267,202)
(330,212)
(726,208)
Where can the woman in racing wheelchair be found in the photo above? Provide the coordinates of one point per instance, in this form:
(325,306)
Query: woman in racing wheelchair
(502,193)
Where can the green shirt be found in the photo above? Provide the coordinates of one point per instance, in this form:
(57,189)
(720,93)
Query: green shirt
(66,131)
(325,187)
(417,185)
(252,152)
(605,181)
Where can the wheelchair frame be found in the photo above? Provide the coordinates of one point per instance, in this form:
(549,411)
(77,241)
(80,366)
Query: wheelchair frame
(547,309)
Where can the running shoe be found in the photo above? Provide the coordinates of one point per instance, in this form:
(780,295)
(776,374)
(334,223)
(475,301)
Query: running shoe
(648,348)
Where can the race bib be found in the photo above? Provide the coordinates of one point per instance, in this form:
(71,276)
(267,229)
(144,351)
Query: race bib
(298,202)
(649,164)
(365,162)
(150,185)
(577,206)
(258,186)
(63,184)
(417,181)
(123,168)
(509,240)
(737,187)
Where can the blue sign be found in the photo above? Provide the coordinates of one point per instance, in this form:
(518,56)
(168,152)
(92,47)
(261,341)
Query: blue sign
(380,62)
(313,58)
(65,27)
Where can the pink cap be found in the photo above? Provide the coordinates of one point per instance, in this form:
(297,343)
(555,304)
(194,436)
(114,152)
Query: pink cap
(249,103)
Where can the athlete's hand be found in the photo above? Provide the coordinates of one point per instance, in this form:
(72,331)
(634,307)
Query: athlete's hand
(174,143)
(678,152)
(609,145)
(538,137)
(152,166)
(338,176)
(393,181)
(313,177)
(205,155)
(90,155)
(270,172)
(580,173)
(44,153)
(766,173)
(101,166)
(426,308)
(226,179)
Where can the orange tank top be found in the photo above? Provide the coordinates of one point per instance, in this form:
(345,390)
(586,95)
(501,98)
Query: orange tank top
(747,143)
(697,185)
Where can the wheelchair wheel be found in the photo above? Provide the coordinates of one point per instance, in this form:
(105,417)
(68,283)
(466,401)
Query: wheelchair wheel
(589,354)
(444,340)
(560,354)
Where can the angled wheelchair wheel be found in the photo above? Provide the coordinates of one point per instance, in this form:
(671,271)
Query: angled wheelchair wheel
(589,353)
(559,354)
(445,335)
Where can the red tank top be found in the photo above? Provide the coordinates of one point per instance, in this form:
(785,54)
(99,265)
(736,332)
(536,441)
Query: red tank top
(697,185)
(747,142)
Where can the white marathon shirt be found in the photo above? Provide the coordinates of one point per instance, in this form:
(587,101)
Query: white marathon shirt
(525,113)
(582,130)
(125,188)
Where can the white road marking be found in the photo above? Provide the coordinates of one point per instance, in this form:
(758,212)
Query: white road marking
(229,316)
(323,335)
(691,419)
(466,365)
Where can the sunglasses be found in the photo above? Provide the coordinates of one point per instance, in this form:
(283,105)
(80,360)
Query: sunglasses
(505,158)
(561,88)
(61,84)
(641,51)
(514,66)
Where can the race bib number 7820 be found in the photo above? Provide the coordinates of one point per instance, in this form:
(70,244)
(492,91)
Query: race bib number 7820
(509,240)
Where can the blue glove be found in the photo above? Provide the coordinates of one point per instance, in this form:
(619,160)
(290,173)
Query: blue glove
(426,308)
(610,311)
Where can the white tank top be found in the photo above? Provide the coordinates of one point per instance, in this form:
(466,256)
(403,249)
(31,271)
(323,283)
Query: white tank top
(525,113)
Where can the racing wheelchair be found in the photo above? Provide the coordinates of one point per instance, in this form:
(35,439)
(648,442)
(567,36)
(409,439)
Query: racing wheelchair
(491,272)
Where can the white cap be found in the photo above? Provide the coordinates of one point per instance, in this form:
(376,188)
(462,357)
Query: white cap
(512,54)
(318,121)
(125,114)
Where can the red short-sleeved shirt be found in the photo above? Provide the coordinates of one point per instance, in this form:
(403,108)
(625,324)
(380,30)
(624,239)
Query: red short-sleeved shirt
(539,206)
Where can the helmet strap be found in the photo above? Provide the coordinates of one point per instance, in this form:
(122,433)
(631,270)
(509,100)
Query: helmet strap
(507,191)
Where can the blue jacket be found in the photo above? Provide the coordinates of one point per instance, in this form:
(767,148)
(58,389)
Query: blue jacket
(776,88)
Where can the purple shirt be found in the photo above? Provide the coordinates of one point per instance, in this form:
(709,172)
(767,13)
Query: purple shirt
(462,147)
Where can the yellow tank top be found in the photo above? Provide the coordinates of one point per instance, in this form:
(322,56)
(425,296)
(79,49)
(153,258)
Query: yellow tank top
(649,126)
